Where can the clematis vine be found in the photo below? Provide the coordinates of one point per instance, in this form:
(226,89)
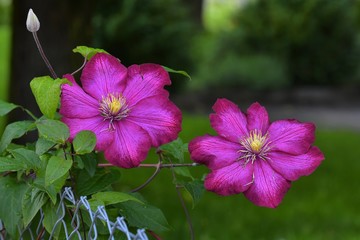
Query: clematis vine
(127,108)
(253,156)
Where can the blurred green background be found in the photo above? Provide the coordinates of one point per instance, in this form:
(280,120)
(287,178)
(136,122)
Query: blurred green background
(292,55)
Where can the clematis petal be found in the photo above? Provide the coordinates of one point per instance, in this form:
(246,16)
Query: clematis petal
(104,136)
(75,103)
(291,136)
(159,117)
(213,151)
(268,188)
(145,81)
(294,166)
(103,74)
(257,118)
(228,121)
(232,179)
(130,146)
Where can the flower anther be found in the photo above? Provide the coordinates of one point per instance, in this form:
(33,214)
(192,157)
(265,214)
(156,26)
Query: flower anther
(113,107)
(255,146)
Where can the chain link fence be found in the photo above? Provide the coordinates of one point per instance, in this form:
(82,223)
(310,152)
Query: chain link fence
(35,230)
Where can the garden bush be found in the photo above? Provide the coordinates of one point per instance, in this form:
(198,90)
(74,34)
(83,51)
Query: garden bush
(311,42)
(146,31)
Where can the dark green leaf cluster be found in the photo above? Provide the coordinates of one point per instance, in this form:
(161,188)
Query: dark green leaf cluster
(283,43)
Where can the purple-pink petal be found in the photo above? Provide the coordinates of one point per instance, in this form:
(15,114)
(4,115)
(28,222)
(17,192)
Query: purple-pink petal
(104,136)
(130,146)
(292,167)
(146,80)
(291,136)
(228,121)
(159,117)
(214,151)
(232,179)
(75,103)
(257,118)
(102,75)
(268,188)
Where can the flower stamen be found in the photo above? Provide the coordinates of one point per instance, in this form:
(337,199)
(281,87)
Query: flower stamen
(113,107)
(255,146)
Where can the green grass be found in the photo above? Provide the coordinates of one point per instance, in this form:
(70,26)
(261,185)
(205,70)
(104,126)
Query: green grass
(324,205)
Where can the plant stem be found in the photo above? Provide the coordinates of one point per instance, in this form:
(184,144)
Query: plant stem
(41,233)
(158,168)
(177,187)
(29,113)
(155,165)
(82,66)
(42,54)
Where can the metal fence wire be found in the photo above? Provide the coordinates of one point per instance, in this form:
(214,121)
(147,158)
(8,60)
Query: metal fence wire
(72,231)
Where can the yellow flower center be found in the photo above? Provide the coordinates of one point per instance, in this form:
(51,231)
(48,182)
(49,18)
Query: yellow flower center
(256,141)
(113,107)
(254,146)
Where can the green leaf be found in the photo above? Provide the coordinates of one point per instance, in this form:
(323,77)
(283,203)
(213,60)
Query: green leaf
(10,164)
(84,142)
(144,216)
(27,157)
(181,72)
(50,218)
(78,162)
(102,179)
(90,163)
(42,146)
(196,189)
(6,107)
(53,189)
(176,149)
(88,52)
(11,196)
(53,130)
(33,200)
(15,130)
(47,94)
(56,168)
(110,197)
(183,171)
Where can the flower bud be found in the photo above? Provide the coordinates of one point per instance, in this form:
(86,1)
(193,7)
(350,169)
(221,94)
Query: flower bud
(32,22)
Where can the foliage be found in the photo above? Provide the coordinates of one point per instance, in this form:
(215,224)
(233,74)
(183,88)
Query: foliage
(5,34)
(291,42)
(158,31)
(5,12)
(34,174)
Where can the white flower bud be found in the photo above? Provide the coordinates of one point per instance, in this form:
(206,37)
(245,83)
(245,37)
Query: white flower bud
(32,22)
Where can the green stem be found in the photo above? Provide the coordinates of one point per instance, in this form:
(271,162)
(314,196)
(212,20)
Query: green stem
(29,113)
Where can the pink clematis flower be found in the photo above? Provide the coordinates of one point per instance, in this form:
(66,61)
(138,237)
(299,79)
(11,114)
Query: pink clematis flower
(127,108)
(252,155)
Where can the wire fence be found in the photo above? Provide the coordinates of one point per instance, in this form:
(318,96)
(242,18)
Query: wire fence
(74,230)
